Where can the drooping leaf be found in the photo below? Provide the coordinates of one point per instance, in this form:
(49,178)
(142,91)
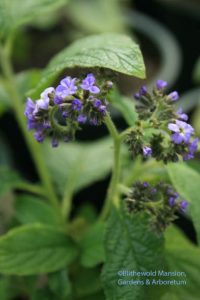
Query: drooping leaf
(186,181)
(14,14)
(35,249)
(112,51)
(130,245)
(183,256)
(91,245)
(81,163)
(30,209)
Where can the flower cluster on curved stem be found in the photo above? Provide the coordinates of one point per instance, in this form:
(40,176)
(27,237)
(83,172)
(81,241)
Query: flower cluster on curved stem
(62,110)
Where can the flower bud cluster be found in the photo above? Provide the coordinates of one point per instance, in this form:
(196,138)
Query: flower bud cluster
(60,111)
(161,132)
(159,201)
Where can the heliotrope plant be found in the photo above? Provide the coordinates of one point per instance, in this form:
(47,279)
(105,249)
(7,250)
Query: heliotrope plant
(66,245)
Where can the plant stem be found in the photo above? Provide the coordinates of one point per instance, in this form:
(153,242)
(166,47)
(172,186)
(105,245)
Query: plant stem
(112,194)
(33,147)
(31,188)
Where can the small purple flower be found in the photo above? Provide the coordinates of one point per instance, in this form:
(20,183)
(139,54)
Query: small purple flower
(143,90)
(76,105)
(181,115)
(161,84)
(192,147)
(172,201)
(93,121)
(65,114)
(39,136)
(137,96)
(82,119)
(109,84)
(65,88)
(182,131)
(147,151)
(97,103)
(183,205)
(145,184)
(88,84)
(173,96)
(102,109)
(30,107)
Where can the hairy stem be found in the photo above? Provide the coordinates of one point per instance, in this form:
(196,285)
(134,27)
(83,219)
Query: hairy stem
(112,194)
(33,147)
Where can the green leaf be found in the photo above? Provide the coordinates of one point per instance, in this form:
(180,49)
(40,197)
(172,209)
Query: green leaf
(186,181)
(86,282)
(97,16)
(25,81)
(29,209)
(92,250)
(59,284)
(123,105)
(35,249)
(79,164)
(14,14)
(130,245)
(183,256)
(112,51)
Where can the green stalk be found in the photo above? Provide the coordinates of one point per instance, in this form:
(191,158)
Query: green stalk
(112,194)
(33,146)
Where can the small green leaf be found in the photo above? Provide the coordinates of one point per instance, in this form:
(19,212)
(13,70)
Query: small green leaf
(130,245)
(91,245)
(79,163)
(124,105)
(35,249)
(183,256)
(86,282)
(14,14)
(60,284)
(112,51)
(186,181)
(29,209)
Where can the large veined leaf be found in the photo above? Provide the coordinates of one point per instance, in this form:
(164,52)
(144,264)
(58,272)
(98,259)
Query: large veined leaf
(186,181)
(81,163)
(35,249)
(130,245)
(183,256)
(15,13)
(112,51)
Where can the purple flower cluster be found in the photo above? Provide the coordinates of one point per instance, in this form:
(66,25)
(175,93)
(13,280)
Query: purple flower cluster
(172,137)
(160,201)
(72,103)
